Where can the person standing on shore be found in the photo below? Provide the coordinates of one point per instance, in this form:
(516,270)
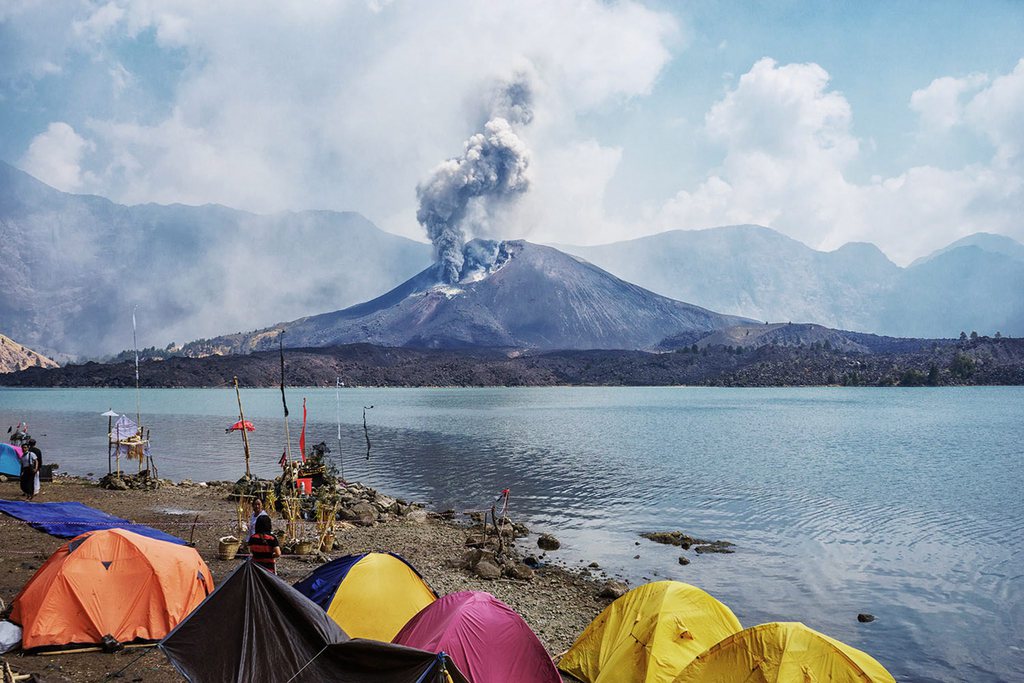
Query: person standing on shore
(30,470)
(257,512)
(263,545)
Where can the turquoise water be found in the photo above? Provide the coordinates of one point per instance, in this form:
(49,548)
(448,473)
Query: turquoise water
(906,503)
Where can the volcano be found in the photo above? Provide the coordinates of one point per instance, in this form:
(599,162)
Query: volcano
(509,294)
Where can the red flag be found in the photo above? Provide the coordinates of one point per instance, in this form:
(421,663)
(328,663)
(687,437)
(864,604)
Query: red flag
(302,436)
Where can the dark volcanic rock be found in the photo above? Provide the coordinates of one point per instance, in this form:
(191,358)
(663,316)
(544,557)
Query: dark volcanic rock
(548,542)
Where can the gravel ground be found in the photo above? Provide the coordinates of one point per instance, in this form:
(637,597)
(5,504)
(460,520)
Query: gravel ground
(557,604)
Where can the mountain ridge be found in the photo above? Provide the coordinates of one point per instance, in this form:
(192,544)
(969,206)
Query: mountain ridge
(84,263)
(758,272)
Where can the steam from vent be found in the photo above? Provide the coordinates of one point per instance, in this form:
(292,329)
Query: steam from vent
(493,169)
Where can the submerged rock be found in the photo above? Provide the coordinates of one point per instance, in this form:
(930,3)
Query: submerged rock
(716,547)
(548,542)
(684,541)
(865,618)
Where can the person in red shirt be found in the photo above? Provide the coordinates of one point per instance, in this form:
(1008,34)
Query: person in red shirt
(263,545)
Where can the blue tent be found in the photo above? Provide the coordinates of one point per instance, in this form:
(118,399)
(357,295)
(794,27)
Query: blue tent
(10,460)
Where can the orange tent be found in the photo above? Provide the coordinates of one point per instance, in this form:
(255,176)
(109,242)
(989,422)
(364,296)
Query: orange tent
(110,583)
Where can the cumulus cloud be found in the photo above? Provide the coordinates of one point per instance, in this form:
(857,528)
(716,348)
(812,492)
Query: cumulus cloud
(55,157)
(940,105)
(347,105)
(788,144)
(997,112)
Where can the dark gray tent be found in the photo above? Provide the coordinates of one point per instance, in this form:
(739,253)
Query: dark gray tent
(255,627)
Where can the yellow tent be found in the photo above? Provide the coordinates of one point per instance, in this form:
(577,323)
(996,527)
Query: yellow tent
(783,652)
(370,595)
(649,634)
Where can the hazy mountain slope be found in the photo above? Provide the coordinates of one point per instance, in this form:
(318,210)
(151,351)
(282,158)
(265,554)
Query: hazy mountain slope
(753,271)
(511,294)
(963,289)
(760,273)
(986,241)
(74,266)
(14,357)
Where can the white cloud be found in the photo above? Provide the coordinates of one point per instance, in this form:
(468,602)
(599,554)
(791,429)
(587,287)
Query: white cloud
(55,157)
(349,105)
(940,105)
(788,142)
(998,112)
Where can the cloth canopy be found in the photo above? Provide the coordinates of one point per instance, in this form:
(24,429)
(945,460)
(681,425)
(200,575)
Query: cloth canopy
(127,439)
(237,427)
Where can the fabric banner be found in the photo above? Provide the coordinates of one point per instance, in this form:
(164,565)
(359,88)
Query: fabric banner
(302,434)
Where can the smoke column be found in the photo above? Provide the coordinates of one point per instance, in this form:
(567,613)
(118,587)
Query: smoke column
(493,169)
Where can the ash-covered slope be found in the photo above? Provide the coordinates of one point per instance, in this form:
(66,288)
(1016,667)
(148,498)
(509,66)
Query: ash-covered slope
(510,294)
(14,357)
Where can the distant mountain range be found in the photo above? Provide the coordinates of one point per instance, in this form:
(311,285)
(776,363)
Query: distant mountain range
(72,267)
(511,294)
(976,283)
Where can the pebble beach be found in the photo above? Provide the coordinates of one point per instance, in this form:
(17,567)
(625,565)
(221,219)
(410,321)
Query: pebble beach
(556,602)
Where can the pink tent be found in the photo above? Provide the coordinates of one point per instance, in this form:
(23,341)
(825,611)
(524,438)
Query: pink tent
(486,639)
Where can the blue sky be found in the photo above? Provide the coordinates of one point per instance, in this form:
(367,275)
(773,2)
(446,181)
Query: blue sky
(896,123)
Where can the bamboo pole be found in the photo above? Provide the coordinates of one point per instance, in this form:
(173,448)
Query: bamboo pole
(245,436)
(110,428)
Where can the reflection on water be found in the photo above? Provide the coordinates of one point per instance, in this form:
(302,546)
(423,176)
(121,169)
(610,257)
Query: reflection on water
(903,503)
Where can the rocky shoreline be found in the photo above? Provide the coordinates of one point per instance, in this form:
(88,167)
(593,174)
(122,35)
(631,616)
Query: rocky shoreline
(452,552)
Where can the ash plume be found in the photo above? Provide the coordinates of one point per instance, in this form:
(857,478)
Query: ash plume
(493,169)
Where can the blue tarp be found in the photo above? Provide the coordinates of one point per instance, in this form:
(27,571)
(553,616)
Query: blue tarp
(67,520)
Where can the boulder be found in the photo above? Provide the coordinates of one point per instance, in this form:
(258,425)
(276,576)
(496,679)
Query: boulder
(548,542)
(418,516)
(613,590)
(519,572)
(486,569)
(364,514)
(469,559)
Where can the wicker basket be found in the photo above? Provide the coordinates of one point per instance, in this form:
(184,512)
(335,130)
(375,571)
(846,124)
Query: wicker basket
(303,548)
(228,548)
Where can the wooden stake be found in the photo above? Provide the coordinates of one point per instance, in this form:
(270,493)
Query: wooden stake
(245,436)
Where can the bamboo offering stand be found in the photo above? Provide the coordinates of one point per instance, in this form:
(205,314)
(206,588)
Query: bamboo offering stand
(326,517)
